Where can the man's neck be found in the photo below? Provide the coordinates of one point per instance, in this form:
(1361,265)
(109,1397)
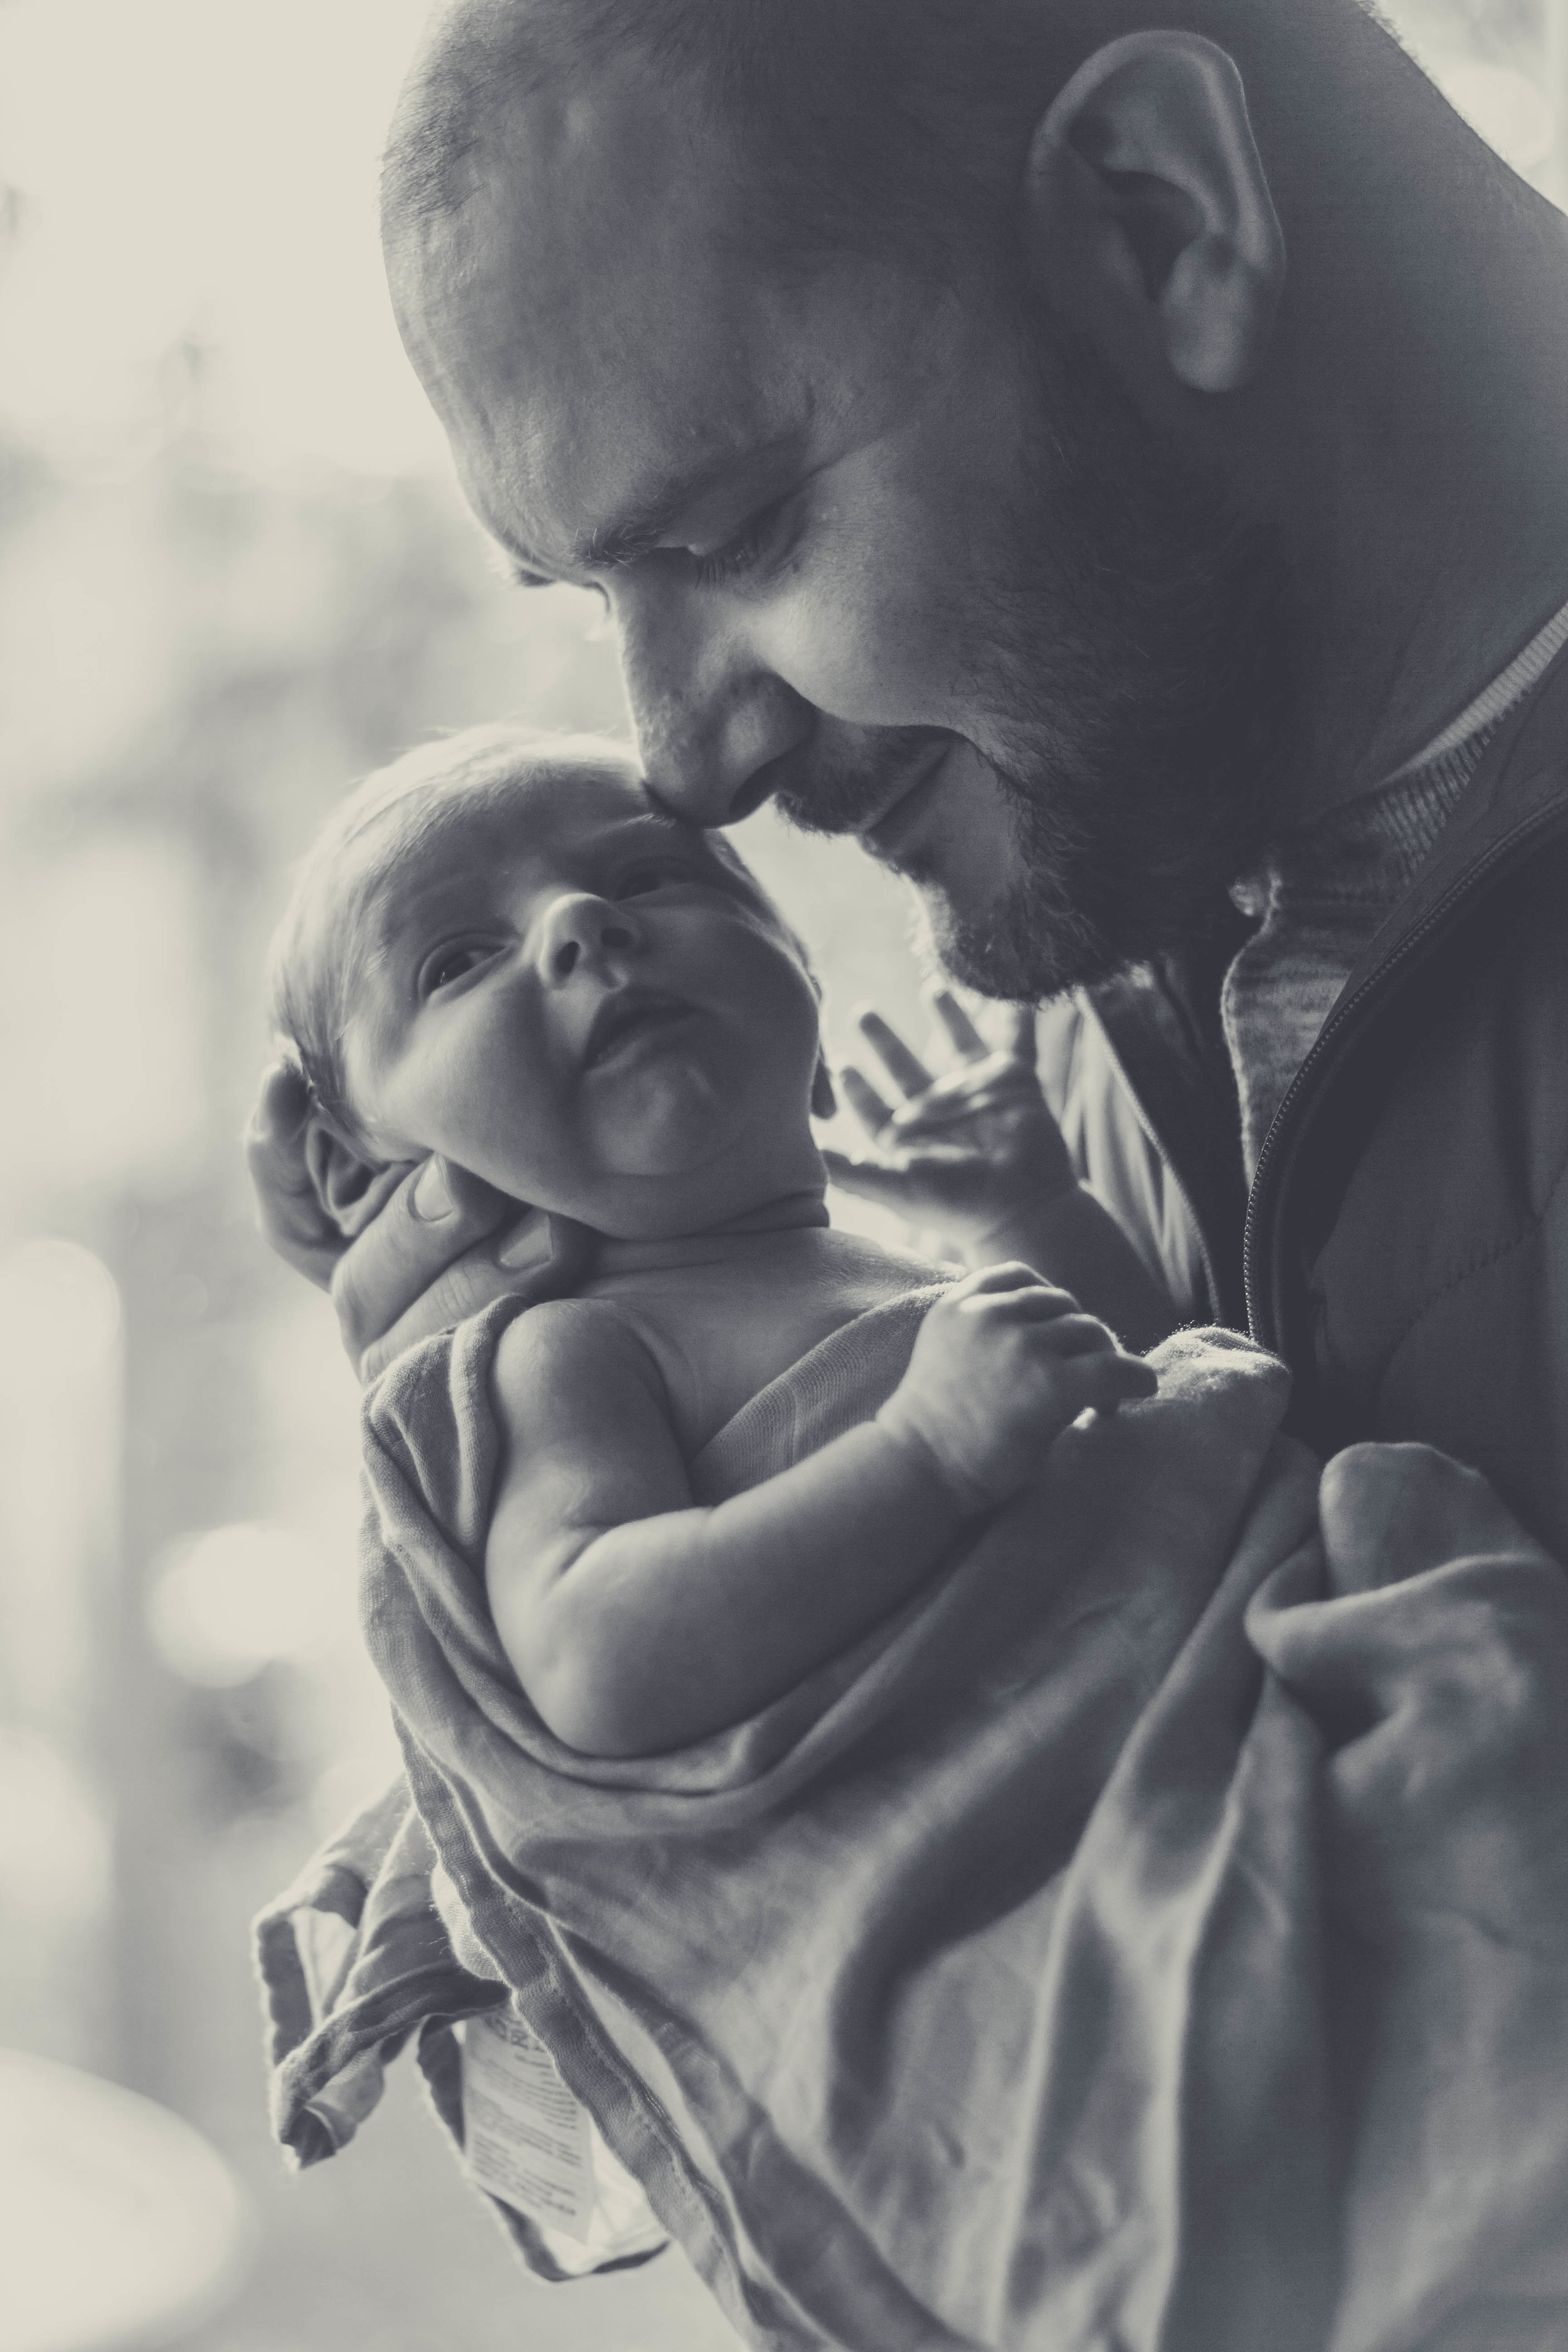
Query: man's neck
(1424,500)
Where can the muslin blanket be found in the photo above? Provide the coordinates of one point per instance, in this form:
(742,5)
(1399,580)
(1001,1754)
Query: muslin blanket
(1045,1971)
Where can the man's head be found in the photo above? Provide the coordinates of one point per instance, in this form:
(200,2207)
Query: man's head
(501,951)
(908,380)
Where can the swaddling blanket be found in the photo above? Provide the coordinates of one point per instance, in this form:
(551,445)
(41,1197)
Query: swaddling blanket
(974,1993)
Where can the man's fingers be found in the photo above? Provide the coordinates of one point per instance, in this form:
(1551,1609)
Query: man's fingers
(963,1035)
(539,1257)
(435,1216)
(461,1291)
(291,1218)
(281,1108)
(907,1071)
(863,1099)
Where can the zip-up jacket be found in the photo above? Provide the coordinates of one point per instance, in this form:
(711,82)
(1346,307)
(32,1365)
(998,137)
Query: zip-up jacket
(1405,1246)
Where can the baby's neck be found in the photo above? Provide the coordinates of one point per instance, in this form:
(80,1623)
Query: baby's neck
(734,1241)
(725,1311)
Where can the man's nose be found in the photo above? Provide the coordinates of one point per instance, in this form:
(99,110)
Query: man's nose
(715,726)
(579,929)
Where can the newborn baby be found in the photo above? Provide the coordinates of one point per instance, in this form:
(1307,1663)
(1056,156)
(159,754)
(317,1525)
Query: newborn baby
(501,951)
(998,1875)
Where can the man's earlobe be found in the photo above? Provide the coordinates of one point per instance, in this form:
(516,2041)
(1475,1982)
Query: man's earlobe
(824,1101)
(350,1188)
(1147,197)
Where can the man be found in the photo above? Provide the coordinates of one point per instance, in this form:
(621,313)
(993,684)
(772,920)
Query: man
(1118,472)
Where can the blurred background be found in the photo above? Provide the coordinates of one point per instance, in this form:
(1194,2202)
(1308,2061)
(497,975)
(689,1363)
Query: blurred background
(235,574)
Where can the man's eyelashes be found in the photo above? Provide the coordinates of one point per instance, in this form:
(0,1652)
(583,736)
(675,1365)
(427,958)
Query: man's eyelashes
(756,537)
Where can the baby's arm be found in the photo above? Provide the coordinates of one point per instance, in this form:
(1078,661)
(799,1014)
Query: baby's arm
(637,1620)
(976,1154)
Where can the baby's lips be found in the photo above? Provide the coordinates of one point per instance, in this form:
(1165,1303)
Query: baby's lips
(627,1008)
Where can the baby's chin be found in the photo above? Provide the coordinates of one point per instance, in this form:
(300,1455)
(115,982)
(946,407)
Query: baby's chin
(664,1196)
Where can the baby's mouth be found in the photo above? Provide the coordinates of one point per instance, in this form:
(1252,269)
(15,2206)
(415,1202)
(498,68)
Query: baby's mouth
(627,1014)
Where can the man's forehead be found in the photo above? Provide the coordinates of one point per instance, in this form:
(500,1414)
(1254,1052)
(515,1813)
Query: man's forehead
(579,455)
(596,341)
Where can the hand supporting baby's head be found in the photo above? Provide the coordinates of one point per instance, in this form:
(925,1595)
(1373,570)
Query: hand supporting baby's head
(501,949)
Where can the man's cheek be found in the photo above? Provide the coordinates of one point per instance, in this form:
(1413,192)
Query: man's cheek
(864,653)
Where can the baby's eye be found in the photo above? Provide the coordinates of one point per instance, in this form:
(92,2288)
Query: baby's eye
(452,963)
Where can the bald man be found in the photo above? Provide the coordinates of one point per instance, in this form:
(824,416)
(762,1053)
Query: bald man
(1119,471)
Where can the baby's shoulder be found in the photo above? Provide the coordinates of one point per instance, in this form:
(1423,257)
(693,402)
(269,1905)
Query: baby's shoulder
(566,1353)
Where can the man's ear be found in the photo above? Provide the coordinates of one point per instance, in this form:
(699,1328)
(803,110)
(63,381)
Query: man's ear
(824,1101)
(1149,213)
(350,1188)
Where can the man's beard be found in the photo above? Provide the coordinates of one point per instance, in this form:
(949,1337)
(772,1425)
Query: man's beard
(1133,671)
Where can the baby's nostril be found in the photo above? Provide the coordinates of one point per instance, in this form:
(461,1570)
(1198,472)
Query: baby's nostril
(616,935)
(566,955)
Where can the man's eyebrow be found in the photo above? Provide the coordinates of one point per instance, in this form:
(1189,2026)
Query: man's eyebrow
(639,533)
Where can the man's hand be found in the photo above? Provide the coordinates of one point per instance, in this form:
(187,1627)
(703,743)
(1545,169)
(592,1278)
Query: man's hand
(974,1152)
(440,1243)
(1436,1668)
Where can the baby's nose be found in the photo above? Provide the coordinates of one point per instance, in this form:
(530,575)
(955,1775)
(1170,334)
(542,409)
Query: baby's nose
(581,928)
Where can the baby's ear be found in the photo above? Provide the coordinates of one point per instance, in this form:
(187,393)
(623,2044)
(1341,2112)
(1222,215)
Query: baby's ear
(824,1101)
(350,1188)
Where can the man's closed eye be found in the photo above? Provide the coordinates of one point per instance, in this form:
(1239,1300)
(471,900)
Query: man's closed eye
(760,536)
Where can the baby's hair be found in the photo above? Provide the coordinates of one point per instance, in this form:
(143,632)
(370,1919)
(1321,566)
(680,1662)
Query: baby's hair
(318,953)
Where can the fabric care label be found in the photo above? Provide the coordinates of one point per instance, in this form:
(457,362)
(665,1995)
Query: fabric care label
(525,2137)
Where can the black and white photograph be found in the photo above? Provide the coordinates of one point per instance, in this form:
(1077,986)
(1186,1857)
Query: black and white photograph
(784,1219)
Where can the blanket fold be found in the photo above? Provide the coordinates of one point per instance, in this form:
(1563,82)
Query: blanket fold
(1044,1974)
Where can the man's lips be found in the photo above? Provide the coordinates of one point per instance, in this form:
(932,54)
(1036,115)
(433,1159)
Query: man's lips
(627,1015)
(899,818)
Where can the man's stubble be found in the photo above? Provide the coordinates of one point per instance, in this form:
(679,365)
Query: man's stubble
(1133,665)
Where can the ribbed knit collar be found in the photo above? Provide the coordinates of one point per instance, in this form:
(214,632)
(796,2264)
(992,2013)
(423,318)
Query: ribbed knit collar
(1325,888)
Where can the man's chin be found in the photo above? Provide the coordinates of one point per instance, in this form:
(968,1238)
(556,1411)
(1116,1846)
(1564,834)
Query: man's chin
(1013,949)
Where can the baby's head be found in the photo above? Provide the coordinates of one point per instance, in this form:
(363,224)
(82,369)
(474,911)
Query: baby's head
(500,949)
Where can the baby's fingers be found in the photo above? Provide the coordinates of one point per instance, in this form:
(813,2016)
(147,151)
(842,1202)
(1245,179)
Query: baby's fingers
(1105,1378)
(863,1100)
(1019,1038)
(1012,1285)
(963,1035)
(907,1071)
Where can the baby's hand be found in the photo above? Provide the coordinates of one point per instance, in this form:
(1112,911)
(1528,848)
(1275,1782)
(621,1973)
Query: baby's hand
(973,1153)
(1004,1363)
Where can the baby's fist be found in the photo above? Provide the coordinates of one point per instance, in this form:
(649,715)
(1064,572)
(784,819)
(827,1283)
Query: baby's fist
(1003,1364)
